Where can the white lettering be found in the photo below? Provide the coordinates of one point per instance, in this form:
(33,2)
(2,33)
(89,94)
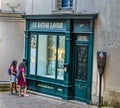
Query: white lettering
(55,25)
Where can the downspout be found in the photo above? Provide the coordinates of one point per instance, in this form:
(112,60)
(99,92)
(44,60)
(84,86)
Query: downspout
(75,7)
(32,7)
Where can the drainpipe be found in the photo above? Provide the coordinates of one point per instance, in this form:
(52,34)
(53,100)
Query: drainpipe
(75,7)
(32,6)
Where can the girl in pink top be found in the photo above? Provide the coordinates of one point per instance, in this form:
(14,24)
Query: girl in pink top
(22,80)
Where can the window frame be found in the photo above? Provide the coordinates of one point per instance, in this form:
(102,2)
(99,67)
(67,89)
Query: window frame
(68,4)
(60,7)
(36,63)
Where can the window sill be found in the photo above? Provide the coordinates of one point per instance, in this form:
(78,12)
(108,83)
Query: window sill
(63,11)
(66,8)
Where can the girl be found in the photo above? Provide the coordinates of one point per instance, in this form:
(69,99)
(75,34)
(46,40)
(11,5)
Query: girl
(22,80)
(13,76)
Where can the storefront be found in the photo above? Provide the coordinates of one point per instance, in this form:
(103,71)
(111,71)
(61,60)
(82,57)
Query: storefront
(58,52)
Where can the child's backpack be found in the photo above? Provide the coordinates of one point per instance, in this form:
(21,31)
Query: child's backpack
(18,74)
(9,71)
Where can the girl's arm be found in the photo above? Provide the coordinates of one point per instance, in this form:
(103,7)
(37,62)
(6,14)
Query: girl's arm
(12,70)
(23,74)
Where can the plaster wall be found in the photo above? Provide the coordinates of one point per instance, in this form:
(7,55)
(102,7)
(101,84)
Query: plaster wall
(13,5)
(38,6)
(11,45)
(0,4)
(106,38)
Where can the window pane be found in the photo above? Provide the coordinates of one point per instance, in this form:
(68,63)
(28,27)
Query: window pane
(67,3)
(51,67)
(61,53)
(81,63)
(82,37)
(42,55)
(64,3)
(33,54)
(46,56)
(71,3)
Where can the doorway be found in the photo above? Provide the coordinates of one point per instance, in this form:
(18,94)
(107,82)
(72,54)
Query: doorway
(82,67)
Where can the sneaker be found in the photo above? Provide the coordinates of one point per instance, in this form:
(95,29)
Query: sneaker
(26,95)
(21,95)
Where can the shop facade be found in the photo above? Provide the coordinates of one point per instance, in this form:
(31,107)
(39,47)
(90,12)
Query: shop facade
(58,51)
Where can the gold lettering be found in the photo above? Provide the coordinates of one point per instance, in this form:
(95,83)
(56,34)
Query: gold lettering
(59,89)
(45,86)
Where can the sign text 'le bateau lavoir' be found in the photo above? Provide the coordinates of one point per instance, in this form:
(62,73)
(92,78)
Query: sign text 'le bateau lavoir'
(47,25)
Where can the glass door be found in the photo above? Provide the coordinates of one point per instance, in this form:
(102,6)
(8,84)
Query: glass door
(82,70)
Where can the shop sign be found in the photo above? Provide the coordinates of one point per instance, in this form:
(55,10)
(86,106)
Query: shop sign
(44,25)
(56,25)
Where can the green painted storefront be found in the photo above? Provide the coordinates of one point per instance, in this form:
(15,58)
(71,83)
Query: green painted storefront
(58,52)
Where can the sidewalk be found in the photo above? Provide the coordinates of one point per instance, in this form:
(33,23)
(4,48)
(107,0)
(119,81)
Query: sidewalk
(38,101)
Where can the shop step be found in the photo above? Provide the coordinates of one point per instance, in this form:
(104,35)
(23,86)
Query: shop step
(4,86)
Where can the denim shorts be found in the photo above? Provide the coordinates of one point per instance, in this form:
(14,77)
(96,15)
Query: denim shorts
(12,78)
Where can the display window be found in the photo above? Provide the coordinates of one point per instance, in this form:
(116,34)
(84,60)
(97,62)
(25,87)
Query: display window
(48,61)
(33,54)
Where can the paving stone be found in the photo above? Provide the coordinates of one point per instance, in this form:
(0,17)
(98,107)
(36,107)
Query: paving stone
(37,101)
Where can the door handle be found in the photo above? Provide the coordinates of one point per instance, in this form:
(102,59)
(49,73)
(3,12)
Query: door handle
(80,86)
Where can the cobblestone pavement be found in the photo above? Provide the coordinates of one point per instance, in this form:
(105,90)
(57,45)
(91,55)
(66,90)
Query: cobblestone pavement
(37,101)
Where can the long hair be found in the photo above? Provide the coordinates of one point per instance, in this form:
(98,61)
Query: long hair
(14,64)
(21,65)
